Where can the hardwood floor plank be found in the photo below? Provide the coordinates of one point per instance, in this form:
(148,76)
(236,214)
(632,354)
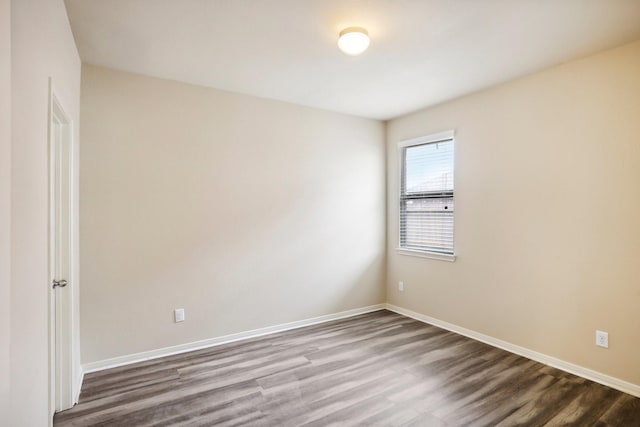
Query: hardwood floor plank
(587,409)
(624,412)
(545,405)
(496,407)
(377,369)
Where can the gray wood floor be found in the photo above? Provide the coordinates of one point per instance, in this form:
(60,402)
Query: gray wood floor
(375,369)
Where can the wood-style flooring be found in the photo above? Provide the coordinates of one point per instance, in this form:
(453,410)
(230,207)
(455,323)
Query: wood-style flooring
(378,369)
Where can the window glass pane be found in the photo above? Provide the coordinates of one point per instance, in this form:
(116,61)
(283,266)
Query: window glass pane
(427,224)
(429,167)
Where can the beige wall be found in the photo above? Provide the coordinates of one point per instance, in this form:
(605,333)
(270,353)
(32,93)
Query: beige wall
(42,46)
(547,213)
(5,199)
(244,211)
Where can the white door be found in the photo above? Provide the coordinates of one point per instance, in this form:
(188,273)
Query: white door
(60,258)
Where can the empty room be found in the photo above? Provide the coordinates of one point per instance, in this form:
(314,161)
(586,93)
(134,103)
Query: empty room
(319,213)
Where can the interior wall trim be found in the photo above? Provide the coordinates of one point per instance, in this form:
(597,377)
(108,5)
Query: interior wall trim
(607,380)
(78,386)
(212,342)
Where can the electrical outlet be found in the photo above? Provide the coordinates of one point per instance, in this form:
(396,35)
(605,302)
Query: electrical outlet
(401,286)
(602,339)
(178,315)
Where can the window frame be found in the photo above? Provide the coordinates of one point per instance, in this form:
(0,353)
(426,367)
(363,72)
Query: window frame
(402,145)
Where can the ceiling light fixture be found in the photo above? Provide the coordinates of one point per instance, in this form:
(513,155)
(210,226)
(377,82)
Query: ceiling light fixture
(353,40)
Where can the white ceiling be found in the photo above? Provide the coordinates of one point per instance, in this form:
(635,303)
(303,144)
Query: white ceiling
(422,51)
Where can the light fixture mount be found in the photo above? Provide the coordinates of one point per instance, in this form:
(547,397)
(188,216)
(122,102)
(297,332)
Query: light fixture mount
(353,40)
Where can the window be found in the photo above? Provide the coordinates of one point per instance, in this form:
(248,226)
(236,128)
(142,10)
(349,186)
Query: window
(426,195)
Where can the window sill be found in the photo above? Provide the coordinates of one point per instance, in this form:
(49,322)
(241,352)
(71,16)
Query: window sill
(430,255)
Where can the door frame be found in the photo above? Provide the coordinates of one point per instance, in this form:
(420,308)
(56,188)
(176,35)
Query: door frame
(61,312)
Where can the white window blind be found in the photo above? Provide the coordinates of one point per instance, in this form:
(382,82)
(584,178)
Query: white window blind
(426,194)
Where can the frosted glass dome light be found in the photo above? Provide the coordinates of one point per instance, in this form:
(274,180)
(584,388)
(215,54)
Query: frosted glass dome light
(353,40)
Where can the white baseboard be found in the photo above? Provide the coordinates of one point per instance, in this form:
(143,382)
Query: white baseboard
(78,386)
(198,345)
(616,383)
(609,381)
